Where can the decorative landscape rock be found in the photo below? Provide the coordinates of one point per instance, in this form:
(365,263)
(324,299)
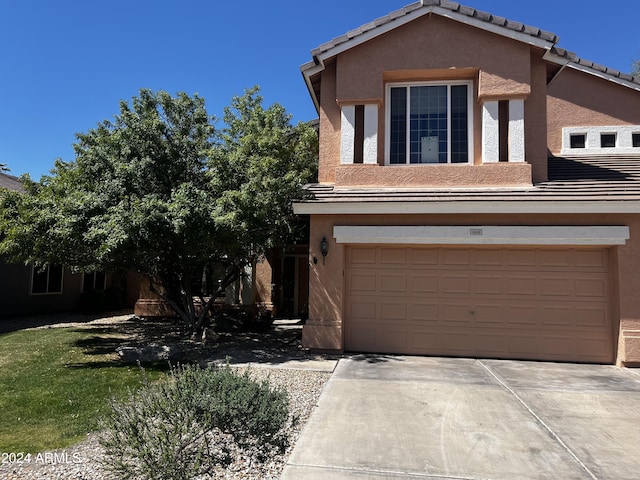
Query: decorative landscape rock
(151,353)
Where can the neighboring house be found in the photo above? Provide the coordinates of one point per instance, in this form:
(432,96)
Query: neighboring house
(478,195)
(27,290)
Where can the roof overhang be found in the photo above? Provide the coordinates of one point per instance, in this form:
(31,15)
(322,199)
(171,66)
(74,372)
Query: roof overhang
(466,207)
(466,15)
(499,25)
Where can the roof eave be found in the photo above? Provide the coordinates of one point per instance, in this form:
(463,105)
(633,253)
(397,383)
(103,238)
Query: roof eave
(498,25)
(466,207)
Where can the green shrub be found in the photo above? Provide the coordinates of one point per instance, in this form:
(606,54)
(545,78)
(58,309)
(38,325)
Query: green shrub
(186,426)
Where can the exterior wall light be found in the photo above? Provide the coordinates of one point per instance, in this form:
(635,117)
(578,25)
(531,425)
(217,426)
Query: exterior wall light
(324,248)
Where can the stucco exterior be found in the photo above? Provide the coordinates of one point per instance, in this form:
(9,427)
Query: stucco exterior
(578,99)
(525,92)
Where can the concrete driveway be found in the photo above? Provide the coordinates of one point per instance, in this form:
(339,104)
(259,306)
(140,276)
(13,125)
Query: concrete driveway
(392,417)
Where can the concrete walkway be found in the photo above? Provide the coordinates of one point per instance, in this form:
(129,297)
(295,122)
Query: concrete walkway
(389,417)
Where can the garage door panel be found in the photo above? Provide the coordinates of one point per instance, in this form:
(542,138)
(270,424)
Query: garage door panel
(362,282)
(424,313)
(462,343)
(424,256)
(487,313)
(556,286)
(422,342)
(490,344)
(523,303)
(526,285)
(488,285)
(363,339)
(490,257)
(595,316)
(393,256)
(361,309)
(392,310)
(424,283)
(591,287)
(520,258)
(361,256)
(557,316)
(591,259)
(522,314)
(553,258)
(393,282)
(456,284)
(454,256)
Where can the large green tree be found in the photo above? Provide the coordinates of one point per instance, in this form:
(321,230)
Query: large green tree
(161,191)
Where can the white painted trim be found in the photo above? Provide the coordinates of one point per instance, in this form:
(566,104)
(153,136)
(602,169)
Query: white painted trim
(347,134)
(490,132)
(516,130)
(370,146)
(482,235)
(457,207)
(624,143)
(448,84)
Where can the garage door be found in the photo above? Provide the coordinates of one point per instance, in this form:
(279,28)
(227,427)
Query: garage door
(521,303)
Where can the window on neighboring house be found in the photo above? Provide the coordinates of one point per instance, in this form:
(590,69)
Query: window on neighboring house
(94,281)
(608,140)
(429,123)
(578,140)
(635,139)
(46,280)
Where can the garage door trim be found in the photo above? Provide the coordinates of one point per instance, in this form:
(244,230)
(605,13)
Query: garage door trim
(482,235)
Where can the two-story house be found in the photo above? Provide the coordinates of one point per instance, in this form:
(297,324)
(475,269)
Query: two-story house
(478,195)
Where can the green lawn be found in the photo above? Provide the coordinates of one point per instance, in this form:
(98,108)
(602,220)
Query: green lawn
(55,385)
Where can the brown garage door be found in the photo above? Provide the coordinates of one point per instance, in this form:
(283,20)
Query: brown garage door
(525,303)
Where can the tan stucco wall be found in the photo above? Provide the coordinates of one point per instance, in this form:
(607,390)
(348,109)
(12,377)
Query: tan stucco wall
(323,330)
(535,120)
(434,42)
(329,141)
(490,174)
(500,69)
(578,99)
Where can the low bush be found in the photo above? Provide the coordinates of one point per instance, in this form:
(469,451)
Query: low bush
(184,427)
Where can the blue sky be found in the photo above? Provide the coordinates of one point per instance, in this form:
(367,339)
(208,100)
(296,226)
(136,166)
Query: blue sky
(65,64)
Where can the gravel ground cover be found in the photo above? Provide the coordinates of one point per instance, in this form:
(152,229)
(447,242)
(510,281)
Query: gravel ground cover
(263,350)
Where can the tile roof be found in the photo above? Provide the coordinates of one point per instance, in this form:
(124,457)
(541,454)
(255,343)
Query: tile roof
(570,180)
(478,17)
(10,182)
(444,4)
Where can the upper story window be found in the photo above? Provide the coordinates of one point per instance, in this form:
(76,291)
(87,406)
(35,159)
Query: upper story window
(429,123)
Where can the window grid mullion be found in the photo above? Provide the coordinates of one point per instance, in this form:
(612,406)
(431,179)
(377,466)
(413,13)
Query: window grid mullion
(449,124)
(407,155)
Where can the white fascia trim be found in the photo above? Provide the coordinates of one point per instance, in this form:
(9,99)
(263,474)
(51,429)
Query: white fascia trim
(460,207)
(482,235)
